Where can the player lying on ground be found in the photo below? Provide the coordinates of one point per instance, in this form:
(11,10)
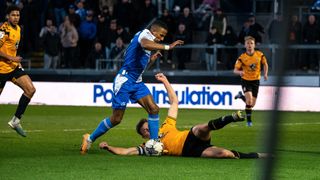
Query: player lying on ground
(190,143)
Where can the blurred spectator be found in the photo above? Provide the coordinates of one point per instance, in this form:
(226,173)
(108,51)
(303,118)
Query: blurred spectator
(147,12)
(112,34)
(295,30)
(219,20)
(187,19)
(87,35)
(125,36)
(207,5)
(58,10)
(214,37)
(230,55)
(256,29)
(97,52)
(182,54)
(167,18)
(294,37)
(30,20)
(116,53)
(69,40)
(73,16)
(124,13)
(81,11)
(273,31)
(50,40)
(311,35)
(102,30)
(245,31)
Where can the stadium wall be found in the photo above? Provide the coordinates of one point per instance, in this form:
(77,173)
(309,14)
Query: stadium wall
(195,96)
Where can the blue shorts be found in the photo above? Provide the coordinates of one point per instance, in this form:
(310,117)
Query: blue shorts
(125,89)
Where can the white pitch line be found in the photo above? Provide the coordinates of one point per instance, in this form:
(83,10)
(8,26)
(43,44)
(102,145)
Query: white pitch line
(124,128)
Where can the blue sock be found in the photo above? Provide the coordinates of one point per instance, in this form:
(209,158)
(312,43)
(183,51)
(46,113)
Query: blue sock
(153,125)
(102,128)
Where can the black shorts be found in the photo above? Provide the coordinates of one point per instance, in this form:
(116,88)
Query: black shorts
(252,86)
(193,146)
(11,76)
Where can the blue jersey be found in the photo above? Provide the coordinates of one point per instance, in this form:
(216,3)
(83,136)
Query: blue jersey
(136,58)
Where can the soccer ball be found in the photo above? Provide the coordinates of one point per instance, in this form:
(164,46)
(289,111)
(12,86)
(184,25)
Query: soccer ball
(153,148)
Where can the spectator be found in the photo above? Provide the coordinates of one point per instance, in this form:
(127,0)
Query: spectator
(273,31)
(102,31)
(96,53)
(124,13)
(112,33)
(207,5)
(245,31)
(214,37)
(219,20)
(311,36)
(58,10)
(50,39)
(81,11)
(182,54)
(87,35)
(294,37)
(295,30)
(256,29)
(124,34)
(116,54)
(73,16)
(230,55)
(167,18)
(69,40)
(147,12)
(187,19)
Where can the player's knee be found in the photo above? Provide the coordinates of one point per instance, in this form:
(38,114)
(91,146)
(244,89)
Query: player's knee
(225,154)
(30,91)
(115,120)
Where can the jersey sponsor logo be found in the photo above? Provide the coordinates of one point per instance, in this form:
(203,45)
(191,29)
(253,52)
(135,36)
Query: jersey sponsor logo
(2,33)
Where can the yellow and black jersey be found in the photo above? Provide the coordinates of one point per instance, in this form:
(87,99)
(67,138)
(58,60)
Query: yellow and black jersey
(172,139)
(9,39)
(251,65)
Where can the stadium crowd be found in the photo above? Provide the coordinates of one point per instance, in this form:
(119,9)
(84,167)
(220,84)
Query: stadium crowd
(74,33)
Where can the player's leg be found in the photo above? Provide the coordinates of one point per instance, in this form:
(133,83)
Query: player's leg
(218,152)
(202,131)
(248,109)
(25,83)
(152,108)
(240,96)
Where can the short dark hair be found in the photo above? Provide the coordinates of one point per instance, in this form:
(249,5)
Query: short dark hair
(140,124)
(160,24)
(12,8)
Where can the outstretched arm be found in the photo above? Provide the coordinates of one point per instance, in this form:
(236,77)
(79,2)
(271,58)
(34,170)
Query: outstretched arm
(173,99)
(151,45)
(119,150)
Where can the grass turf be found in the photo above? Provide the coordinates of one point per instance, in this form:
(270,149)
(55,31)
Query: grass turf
(51,150)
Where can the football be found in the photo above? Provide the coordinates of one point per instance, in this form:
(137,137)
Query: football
(153,148)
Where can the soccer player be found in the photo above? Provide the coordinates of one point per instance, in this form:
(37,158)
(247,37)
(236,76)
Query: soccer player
(248,66)
(10,67)
(189,143)
(128,83)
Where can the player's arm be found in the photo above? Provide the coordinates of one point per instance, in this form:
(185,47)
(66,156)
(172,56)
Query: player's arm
(173,99)
(121,151)
(237,68)
(265,68)
(151,45)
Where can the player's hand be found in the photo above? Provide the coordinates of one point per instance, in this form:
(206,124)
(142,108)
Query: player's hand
(241,73)
(176,43)
(104,145)
(265,77)
(155,55)
(161,77)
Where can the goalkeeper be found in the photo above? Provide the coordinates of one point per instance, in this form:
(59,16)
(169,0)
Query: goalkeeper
(189,143)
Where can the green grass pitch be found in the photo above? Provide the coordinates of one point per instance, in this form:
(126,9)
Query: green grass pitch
(51,150)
